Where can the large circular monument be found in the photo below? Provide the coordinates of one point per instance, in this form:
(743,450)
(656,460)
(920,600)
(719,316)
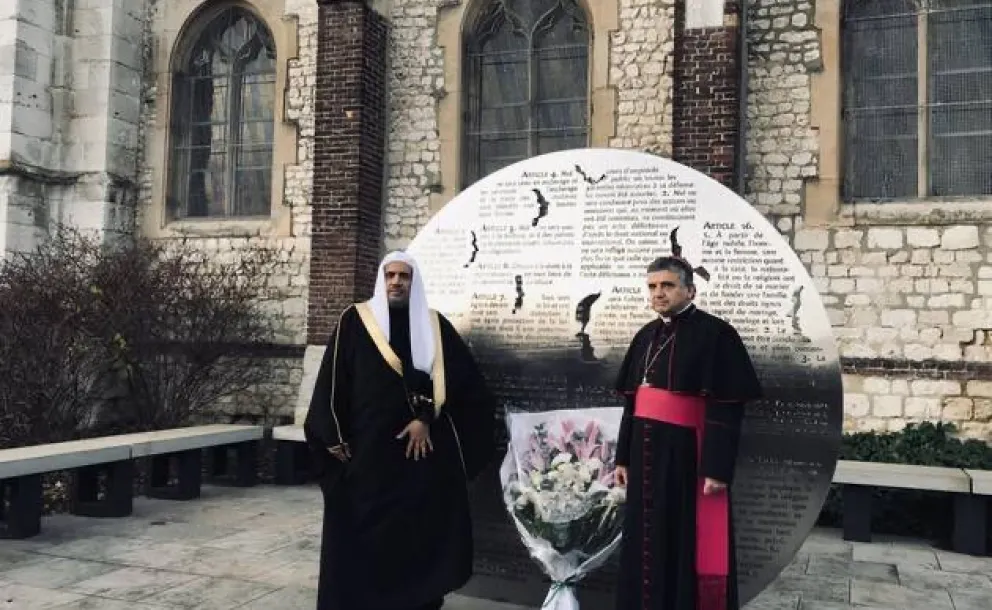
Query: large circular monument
(541,268)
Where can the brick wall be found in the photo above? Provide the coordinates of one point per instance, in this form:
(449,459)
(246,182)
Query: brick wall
(705,108)
(349,110)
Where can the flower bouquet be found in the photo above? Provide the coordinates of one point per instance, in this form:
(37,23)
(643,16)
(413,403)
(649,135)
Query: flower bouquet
(558,486)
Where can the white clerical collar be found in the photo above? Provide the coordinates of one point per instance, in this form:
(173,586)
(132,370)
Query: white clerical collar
(677,313)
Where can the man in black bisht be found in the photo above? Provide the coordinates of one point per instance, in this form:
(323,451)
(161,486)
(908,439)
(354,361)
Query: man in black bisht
(399,422)
(686,378)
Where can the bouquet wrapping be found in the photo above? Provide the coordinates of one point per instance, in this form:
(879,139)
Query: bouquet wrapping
(558,481)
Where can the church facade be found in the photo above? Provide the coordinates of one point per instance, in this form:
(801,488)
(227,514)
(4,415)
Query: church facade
(332,130)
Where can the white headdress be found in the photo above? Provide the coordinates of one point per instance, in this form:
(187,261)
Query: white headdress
(421,330)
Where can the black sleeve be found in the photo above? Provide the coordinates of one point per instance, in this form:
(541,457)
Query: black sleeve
(626,386)
(470,403)
(326,423)
(420,383)
(426,415)
(721,439)
(623,439)
(731,383)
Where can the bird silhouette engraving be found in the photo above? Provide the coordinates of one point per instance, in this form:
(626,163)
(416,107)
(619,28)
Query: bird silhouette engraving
(593,181)
(583,311)
(542,207)
(677,253)
(518,303)
(475,249)
(797,303)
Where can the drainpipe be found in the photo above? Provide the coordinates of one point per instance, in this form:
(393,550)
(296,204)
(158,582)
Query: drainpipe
(740,166)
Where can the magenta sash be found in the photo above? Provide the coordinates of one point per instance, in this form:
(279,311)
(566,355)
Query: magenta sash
(712,511)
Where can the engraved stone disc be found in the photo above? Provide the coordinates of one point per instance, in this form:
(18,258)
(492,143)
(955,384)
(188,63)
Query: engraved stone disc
(541,267)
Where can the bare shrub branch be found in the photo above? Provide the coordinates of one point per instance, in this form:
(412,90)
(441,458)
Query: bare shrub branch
(142,336)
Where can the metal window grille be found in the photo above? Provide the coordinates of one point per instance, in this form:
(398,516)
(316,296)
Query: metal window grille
(527,83)
(223,111)
(917,99)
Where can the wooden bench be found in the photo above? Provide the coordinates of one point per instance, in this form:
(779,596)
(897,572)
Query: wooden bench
(292,455)
(112,460)
(859,479)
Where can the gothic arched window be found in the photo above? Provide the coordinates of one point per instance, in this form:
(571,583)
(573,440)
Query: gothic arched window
(526,83)
(222,122)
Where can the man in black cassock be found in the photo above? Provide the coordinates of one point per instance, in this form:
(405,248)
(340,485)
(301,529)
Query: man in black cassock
(399,423)
(686,378)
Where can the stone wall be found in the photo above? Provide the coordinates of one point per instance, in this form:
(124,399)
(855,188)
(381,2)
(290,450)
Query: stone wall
(908,286)
(222,240)
(415,81)
(641,70)
(912,311)
(69,116)
(782,148)
(299,110)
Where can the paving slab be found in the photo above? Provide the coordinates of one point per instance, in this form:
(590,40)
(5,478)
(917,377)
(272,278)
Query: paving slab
(923,579)
(102,603)
(56,573)
(831,565)
(211,594)
(131,584)
(258,548)
(867,592)
(287,598)
(971,600)
(15,596)
(896,554)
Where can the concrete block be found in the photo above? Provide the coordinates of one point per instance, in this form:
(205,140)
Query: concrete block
(33,151)
(128,26)
(92,48)
(32,122)
(887,406)
(125,79)
(886,239)
(311,365)
(124,106)
(6,122)
(93,22)
(60,456)
(127,52)
(40,40)
(920,237)
(960,237)
(39,13)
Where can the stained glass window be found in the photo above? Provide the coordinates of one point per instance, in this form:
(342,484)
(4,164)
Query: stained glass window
(223,107)
(526,83)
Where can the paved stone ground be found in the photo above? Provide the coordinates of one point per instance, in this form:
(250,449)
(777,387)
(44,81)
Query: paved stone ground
(257,549)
